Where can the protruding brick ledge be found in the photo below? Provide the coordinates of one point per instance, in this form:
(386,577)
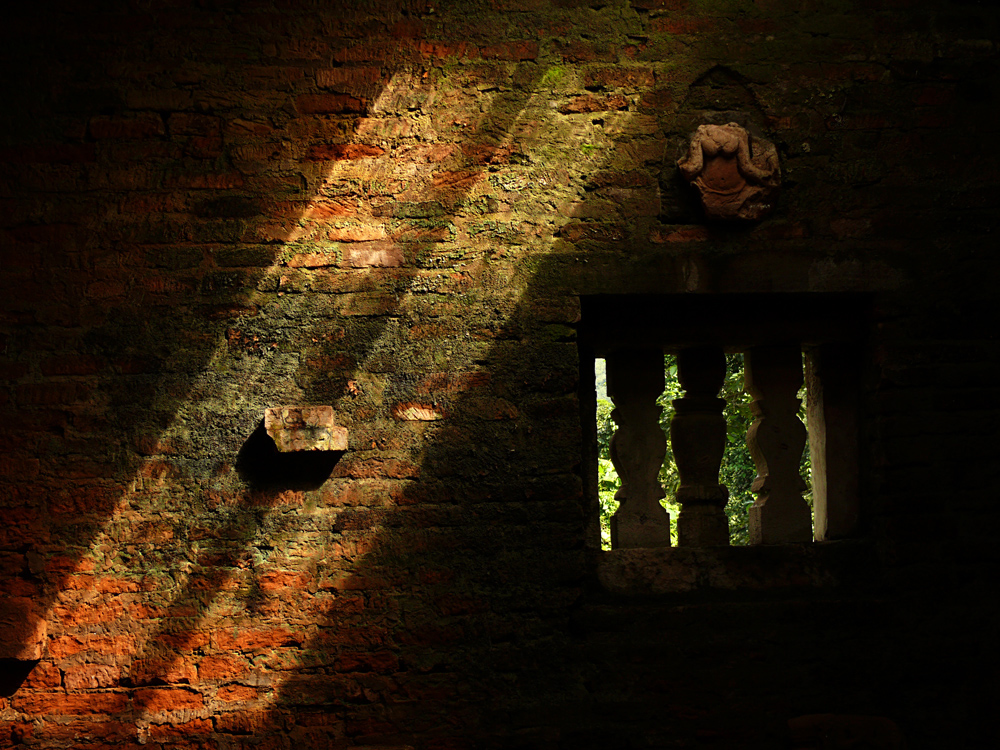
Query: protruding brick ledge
(760,568)
(304,428)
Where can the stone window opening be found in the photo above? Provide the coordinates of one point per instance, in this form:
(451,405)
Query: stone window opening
(793,346)
(737,469)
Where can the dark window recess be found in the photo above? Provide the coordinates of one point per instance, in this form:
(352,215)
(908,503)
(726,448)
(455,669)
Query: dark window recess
(787,344)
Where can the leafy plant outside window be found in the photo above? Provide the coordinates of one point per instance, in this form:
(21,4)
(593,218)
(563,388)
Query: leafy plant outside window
(737,471)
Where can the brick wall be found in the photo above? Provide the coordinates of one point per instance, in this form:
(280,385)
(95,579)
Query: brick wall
(209,209)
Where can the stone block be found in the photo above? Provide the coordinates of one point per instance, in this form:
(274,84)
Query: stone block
(304,428)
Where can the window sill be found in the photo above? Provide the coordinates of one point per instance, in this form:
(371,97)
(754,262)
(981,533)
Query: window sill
(780,568)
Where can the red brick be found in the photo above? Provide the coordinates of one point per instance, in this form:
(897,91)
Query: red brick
(619,77)
(368,51)
(684,234)
(680,26)
(204,147)
(330,208)
(757,25)
(205,181)
(167,699)
(413,411)
(188,123)
(73,734)
(256,640)
(311,260)
(349,80)
(77,704)
(19,468)
(580,51)
(373,254)
(107,289)
(51,393)
(91,676)
(12,370)
(355,493)
(180,731)
(14,732)
(283,579)
(445,50)
(584,104)
(367,661)
(163,670)
(453,382)
(221,668)
(232,693)
(67,645)
(343,151)
(461,180)
(241,722)
(329,104)
(54,153)
(141,126)
(356,233)
(935,96)
(372,468)
(516,51)
(72,364)
(490,408)
(82,500)
(661,4)
(407,28)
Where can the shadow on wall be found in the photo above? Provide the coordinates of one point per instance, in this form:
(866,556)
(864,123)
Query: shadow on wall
(439,576)
(151,233)
(247,543)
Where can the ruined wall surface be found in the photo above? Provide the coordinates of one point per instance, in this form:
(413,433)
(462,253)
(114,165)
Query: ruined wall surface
(393,208)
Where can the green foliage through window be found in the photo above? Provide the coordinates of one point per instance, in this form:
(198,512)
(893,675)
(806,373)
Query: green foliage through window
(737,471)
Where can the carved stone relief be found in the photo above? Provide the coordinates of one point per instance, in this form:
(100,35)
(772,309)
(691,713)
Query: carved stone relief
(737,176)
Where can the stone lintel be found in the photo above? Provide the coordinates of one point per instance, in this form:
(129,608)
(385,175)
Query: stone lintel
(738,569)
(304,428)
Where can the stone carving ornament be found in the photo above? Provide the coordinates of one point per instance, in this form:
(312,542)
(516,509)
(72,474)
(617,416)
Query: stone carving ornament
(737,176)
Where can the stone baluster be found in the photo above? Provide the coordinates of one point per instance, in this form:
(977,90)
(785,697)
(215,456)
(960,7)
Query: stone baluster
(698,438)
(773,376)
(635,380)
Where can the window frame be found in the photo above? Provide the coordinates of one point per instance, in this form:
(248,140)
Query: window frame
(831,330)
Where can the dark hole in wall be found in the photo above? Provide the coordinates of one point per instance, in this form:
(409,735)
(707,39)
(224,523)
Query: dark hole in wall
(263,467)
(13,673)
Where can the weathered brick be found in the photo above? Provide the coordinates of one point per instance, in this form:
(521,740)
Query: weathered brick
(154,700)
(329,104)
(90,676)
(343,151)
(140,126)
(233,693)
(72,704)
(619,77)
(373,254)
(349,80)
(212,668)
(255,640)
(513,50)
(67,645)
(241,722)
(180,732)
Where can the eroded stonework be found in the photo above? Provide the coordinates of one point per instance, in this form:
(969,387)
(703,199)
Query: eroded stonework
(304,428)
(737,177)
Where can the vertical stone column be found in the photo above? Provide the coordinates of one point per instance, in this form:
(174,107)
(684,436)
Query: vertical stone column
(773,376)
(832,375)
(635,380)
(698,437)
